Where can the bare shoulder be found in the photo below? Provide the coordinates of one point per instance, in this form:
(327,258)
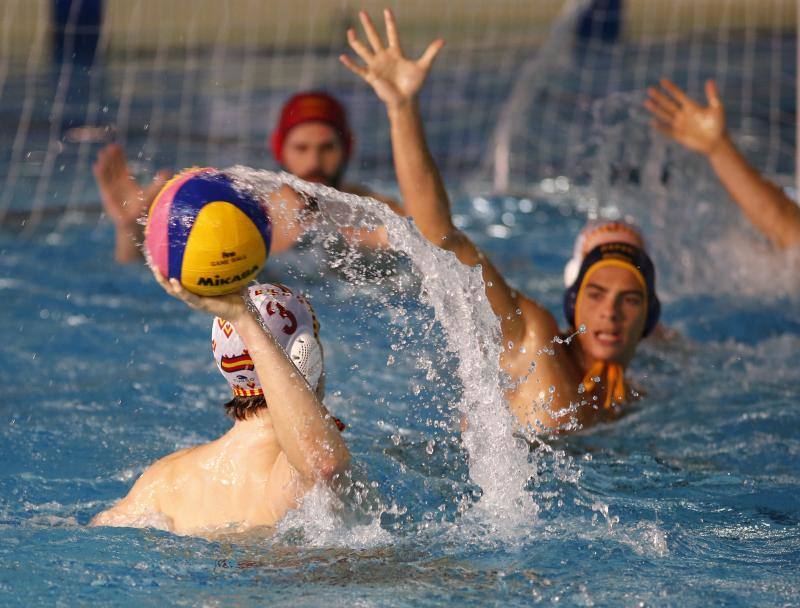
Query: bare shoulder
(536,332)
(143,497)
(540,324)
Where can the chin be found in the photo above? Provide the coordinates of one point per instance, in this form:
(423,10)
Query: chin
(604,352)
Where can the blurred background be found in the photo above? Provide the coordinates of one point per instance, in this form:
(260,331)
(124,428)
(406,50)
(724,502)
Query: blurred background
(529,96)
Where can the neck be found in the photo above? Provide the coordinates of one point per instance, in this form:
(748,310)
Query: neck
(250,440)
(587,362)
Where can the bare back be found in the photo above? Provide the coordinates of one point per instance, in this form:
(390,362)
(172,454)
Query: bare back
(210,486)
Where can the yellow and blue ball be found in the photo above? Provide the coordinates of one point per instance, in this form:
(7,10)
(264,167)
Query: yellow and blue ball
(206,233)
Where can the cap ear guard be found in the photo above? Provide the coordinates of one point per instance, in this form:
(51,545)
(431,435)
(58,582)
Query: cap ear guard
(290,319)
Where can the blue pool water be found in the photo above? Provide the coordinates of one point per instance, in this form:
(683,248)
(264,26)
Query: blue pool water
(690,500)
(693,499)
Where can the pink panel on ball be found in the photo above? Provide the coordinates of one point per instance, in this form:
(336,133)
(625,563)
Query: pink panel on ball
(157,232)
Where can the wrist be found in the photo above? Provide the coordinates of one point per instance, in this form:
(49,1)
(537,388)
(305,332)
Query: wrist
(719,146)
(401,106)
(243,318)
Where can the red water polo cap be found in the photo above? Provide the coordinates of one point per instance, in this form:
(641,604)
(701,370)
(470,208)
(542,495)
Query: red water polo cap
(314,106)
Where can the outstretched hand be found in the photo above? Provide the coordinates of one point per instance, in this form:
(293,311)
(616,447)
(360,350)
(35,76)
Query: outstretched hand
(395,78)
(699,128)
(230,307)
(124,199)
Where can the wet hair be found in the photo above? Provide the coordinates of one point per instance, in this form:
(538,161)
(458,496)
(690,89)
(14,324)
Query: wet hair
(241,408)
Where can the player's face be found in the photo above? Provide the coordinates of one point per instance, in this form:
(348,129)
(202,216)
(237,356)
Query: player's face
(612,307)
(313,151)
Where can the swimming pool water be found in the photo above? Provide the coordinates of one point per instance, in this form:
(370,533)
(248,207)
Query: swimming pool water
(690,500)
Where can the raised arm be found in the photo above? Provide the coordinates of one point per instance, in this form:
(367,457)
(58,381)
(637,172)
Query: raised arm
(702,129)
(305,430)
(124,200)
(397,81)
(303,427)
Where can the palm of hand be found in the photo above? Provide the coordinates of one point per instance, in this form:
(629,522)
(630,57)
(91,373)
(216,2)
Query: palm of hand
(394,77)
(699,128)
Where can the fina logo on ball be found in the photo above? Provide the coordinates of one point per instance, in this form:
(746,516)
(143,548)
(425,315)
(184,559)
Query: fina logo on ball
(217,280)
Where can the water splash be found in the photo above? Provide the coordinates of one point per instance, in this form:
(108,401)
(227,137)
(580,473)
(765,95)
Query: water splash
(700,240)
(498,462)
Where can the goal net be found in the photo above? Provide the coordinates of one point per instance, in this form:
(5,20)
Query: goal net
(580,98)
(513,103)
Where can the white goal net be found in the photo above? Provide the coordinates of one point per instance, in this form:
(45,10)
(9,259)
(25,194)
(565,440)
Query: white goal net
(513,103)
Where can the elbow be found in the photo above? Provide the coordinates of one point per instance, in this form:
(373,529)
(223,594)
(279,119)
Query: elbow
(331,466)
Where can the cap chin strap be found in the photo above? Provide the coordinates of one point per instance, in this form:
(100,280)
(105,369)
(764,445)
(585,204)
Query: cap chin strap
(610,375)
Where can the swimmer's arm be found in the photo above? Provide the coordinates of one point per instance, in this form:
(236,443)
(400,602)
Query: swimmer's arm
(286,215)
(427,201)
(766,205)
(702,129)
(373,239)
(397,82)
(303,427)
(124,200)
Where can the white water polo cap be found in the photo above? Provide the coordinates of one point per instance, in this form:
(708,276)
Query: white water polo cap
(290,319)
(600,232)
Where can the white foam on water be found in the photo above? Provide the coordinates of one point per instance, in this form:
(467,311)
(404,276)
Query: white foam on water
(498,462)
(324,521)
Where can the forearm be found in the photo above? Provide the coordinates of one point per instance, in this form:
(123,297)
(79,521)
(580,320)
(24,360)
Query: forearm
(767,207)
(425,199)
(127,243)
(424,196)
(304,429)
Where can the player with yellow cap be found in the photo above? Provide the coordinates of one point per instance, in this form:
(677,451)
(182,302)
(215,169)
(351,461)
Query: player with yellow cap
(559,381)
